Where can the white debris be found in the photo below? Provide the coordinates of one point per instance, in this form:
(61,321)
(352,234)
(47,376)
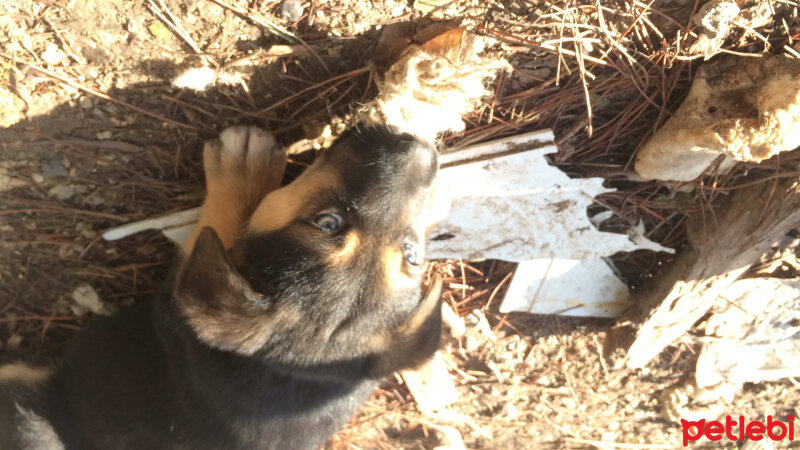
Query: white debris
(182,220)
(87,300)
(53,55)
(518,207)
(201,78)
(195,78)
(431,385)
(432,86)
(568,287)
(752,336)
(716,17)
(738,109)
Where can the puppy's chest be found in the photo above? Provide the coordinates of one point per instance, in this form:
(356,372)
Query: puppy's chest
(296,418)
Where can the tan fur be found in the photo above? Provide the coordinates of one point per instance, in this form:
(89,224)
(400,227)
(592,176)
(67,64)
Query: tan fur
(217,302)
(281,207)
(393,274)
(241,167)
(347,252)
(229,329)
(22,373)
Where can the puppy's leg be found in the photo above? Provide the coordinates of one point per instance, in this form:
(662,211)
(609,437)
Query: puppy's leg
(241,167)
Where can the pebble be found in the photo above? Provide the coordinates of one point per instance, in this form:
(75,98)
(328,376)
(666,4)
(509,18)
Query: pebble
(85,102)
(716,17)
(14,342)
(53,168)
(291,10)
(53,55)
(66,191)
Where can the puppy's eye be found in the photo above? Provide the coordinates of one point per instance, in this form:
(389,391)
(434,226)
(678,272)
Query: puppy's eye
(411,254)
(328,222)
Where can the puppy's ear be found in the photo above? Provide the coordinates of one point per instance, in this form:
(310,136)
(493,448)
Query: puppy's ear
(207,276)
(216,300)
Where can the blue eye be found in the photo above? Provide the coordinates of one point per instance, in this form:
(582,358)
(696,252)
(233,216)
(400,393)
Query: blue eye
(411,254)
(328,222)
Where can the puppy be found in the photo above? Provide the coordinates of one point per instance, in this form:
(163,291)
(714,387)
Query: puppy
(287,306)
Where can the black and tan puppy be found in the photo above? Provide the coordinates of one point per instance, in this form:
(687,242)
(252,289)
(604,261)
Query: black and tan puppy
(287,308)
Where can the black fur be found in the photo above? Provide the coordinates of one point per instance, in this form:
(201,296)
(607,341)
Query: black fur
(152,378)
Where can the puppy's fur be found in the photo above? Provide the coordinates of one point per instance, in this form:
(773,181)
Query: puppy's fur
(278,323)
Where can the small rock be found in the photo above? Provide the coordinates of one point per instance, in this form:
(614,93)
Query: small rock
(756,16)
(66,191)
(85,102)
(37,178)
(86,230)
(104,135)
(716,17)
(53,168)
(53,55)
(8,182)
(291,10)
(14,342)
(94,199)
(398,10)
(132,25)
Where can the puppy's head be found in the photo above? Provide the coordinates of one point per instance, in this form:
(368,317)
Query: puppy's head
(329,268)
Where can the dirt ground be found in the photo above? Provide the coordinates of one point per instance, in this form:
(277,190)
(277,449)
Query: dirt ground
(95,135)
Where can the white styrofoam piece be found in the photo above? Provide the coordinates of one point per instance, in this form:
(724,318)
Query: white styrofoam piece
(568,287)
(518,207)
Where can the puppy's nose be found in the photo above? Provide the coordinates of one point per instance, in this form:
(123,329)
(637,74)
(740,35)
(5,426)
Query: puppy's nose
(417,150)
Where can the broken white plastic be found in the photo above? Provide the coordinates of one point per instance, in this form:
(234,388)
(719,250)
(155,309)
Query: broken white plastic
(508,203)
(567,287)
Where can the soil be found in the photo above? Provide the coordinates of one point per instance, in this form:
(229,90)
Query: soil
(96,135)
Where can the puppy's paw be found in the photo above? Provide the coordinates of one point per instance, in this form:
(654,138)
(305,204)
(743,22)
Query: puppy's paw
(243,166)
